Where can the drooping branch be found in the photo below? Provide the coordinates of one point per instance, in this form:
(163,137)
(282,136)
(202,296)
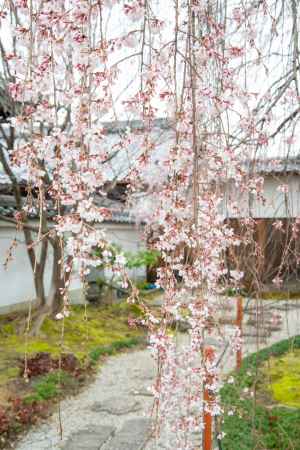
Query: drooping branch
(34,229)
(288,119)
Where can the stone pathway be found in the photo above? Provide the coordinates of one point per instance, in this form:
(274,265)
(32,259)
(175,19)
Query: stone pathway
(113,412)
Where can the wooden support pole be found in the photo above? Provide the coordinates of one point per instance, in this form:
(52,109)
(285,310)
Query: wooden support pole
(208,399)
(261,226)
(239,324)
(207,432)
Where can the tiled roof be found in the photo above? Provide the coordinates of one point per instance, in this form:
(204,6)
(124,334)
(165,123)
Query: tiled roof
(137,125)
(117,216)
(274,166)
(122,217)
(119,213)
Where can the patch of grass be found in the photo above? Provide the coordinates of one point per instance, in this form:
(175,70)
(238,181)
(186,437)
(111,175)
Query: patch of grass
(255,425)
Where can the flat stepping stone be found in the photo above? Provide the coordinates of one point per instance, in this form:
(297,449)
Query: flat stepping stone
(89,439)
(249,330)
(133,435)
(260,323)
(255,334)
(155,301)
(117,406)
(273,328)
(142,393)
(196,439)
(288,307)
(261,318)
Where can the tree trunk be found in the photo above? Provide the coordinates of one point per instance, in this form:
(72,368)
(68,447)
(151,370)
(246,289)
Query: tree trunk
(37,320)
(39,288)
(53,301)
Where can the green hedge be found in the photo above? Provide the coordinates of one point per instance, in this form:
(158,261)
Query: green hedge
(111,349)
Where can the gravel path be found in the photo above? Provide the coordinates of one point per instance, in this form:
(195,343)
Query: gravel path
(119,394)
(113,412)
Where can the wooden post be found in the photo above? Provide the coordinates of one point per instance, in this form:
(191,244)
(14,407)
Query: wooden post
(261,226)
(239,324)
(207,432)
(208,399)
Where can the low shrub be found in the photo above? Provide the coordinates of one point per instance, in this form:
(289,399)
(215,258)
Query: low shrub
(43,362)
(50,386)
(106,350)
(25,413)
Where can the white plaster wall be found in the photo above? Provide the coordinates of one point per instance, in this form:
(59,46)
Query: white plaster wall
(276,205)
(130,238)
(16,283)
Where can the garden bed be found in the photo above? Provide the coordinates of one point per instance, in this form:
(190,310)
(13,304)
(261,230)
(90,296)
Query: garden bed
(253,417)
(56,366)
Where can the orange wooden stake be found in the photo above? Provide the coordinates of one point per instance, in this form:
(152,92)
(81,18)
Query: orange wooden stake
(207,432)
(208,399)
(239,323)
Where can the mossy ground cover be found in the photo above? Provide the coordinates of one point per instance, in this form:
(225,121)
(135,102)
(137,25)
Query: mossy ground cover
(280,295)
(84,337)
(259,421)
(98,329)
(282,378)
(264,295)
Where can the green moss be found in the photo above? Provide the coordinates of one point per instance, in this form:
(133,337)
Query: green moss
(284,378)
(280,295)
(8,373)
(7,329)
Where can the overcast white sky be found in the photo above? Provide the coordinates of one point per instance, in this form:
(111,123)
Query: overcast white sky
(258,78)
